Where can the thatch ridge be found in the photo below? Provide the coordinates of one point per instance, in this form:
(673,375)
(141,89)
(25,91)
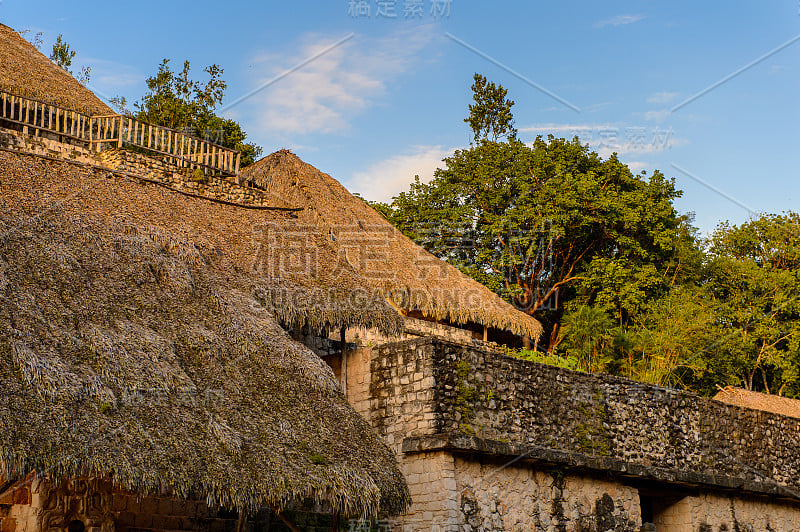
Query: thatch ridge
(409,276)
(27,72)
(132,345)
(759,401)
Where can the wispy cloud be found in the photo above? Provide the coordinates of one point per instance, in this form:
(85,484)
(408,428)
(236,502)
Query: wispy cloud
(657,116)
(619,20)
(662,97)
(325,95)
(385,179)
(110,76)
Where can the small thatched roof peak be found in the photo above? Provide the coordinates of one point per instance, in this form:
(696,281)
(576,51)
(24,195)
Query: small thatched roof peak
(759,401)
(411,278)
(27,72)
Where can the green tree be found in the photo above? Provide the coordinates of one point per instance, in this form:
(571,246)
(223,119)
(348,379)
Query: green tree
(587,334)
(551,222)
(662,343)
(176,101)
(62,55)
(753,276)
(490,116)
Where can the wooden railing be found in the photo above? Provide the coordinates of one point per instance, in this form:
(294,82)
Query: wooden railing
(118,130)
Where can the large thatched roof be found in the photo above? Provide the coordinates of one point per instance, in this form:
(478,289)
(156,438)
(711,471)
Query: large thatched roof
(25,71)
(134,343)
(759,401)
(411,277)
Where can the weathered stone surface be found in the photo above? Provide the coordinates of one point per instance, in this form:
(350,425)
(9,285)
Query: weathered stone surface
(489,442)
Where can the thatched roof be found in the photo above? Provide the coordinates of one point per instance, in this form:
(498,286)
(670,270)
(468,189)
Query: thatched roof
(25,71)
(133,344)
(408,275)
(759,401)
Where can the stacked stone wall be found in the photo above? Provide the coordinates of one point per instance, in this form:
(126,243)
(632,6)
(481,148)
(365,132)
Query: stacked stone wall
(491,442)
(48,147)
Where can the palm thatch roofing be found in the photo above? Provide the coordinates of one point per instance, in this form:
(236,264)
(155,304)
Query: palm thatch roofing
(759,401)
(410,277)
(135,342)
(27,72)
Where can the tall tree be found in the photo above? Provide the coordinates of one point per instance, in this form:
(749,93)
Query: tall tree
(490,115)
(62,55)
(753,275)
(176,101)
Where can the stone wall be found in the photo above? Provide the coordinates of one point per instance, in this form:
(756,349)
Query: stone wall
(496,496)
(489,442)
(40,145)
(213,186)
(149,167)
(665,432)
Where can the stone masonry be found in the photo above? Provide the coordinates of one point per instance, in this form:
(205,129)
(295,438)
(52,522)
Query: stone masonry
(489,442)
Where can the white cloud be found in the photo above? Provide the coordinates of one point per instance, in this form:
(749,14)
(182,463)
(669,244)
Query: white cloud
(657,116)
(385,179)
(619,20)
(324,95)
(662,97)
(636,167)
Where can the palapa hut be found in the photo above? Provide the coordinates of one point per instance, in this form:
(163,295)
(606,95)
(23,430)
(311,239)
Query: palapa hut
(145,375)
(412,279)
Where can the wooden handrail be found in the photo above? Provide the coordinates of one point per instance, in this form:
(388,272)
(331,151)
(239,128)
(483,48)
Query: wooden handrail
(120,130)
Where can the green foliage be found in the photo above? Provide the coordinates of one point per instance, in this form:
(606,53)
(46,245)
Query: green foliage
(543,357)
(176,101)
(490,116)
(466,396)
(61,54)
(590,435)
(198,176)
(38,38)
(587,335)
(549,221)
(318,459)
(639,293)
(753,281)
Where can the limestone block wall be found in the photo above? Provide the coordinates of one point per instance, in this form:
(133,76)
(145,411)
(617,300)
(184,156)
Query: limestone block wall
(493,496)
(154,168)
(662,430)
(39,145)
(489,442)
(712,512)
(218,187)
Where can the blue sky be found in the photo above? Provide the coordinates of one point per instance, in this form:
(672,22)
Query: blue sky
(383,99)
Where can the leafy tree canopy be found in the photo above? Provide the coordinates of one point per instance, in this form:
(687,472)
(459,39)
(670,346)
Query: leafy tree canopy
(551,222)
(177,101)
(621,280)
